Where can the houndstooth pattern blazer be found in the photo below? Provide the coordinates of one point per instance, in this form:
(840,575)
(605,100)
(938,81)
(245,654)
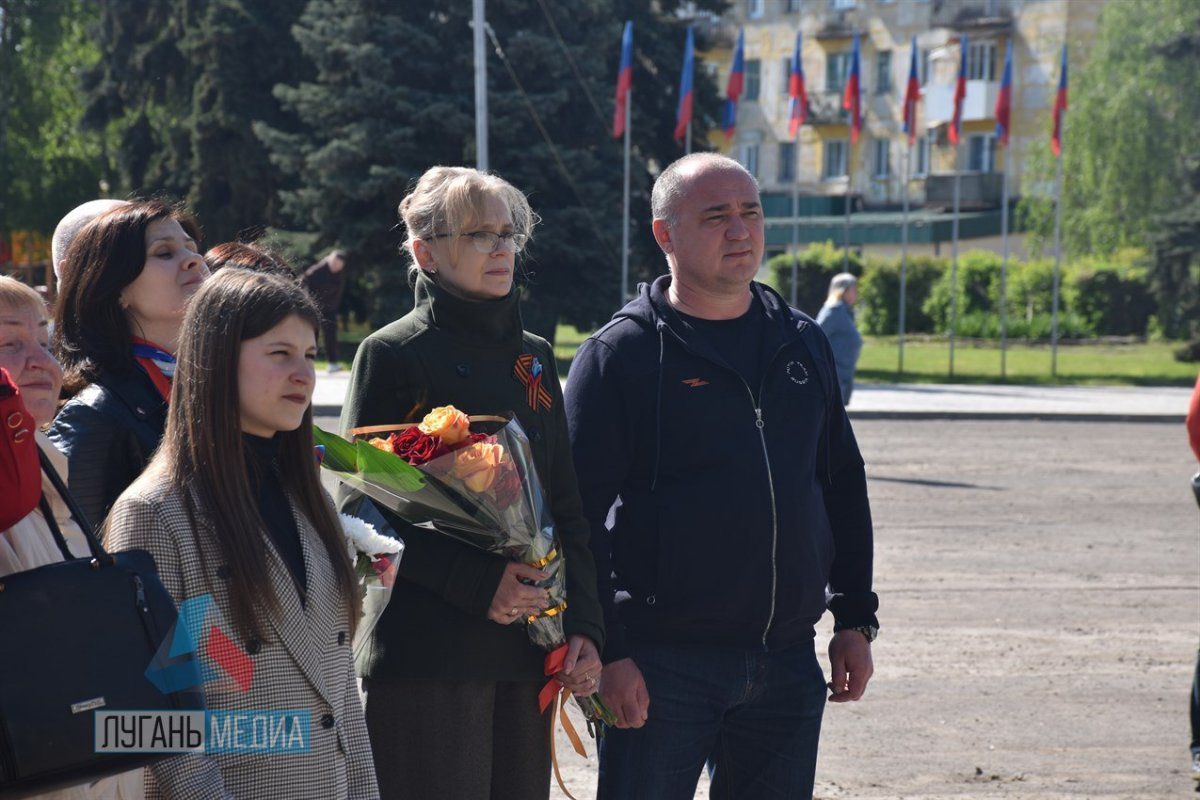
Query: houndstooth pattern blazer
(304,664)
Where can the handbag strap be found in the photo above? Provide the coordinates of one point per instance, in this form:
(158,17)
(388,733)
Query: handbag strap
(98,552)
(55,532)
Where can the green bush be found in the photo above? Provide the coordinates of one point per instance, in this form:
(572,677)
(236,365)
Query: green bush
(879,295)
(816,266)
(1115,299)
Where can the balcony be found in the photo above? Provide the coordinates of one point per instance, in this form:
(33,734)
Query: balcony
(979,103)
(976,190)
(969,16)
(825,108)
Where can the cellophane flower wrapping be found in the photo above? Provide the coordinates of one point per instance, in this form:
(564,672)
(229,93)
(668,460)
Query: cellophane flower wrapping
(479,486)
(375,551)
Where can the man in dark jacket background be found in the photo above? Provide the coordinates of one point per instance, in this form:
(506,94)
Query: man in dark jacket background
(728,507)
(326,280)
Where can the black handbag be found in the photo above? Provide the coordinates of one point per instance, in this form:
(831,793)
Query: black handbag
(78,637)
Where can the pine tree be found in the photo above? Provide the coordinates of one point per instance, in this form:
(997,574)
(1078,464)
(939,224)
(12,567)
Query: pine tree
(393,95)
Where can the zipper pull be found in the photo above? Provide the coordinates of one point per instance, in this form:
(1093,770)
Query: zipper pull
(758,423)
(141,593)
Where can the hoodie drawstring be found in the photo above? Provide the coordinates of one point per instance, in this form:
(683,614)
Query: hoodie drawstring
(658,409)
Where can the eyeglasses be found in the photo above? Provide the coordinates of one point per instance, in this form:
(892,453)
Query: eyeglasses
(488,242)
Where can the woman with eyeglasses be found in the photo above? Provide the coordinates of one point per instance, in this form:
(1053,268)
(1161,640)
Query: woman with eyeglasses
(451,683)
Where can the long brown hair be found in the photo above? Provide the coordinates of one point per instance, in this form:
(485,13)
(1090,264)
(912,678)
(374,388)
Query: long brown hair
(91,330)
(202,451)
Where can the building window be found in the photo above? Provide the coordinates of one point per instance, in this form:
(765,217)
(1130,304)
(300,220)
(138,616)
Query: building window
(842,5)
(750,158)
(753,78)
(882,158)
(754,9)
(924,64)
(982,155)
(837,69)
(981,61)
(787,162)
(792,7)
(883,72)
(836,153)
(787,74)
(922,167)
(991,8)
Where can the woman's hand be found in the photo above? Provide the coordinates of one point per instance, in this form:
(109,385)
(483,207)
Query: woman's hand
(514,599)
(581,668)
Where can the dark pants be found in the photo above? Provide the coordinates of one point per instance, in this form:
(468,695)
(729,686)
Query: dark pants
(1195,707)
(329,331)
(470,740)
(754,716)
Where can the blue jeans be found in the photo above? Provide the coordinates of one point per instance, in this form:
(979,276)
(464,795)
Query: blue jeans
(754,716)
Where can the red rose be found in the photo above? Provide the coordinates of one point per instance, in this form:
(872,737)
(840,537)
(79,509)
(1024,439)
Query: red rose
(401,443)
(425,449)
(507,487)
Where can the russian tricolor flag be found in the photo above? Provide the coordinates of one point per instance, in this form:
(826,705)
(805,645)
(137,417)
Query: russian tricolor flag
(683,114)
(737,82)
(960,91)
(624,80)
(912,93)
(1060,106)
(852,97)
(1004,99)
(798,105)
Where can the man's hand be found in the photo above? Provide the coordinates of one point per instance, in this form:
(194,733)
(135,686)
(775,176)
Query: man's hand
(851,665)
(514,599)
(581,667)
(623,690)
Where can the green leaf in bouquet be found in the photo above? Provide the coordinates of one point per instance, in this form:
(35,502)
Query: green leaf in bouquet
(387,469)
(340,455)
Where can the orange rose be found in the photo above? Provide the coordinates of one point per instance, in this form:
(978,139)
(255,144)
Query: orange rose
(477,465)
(381,443)
(448,423)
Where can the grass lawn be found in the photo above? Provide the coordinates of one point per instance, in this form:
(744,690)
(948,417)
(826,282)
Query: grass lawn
(928,360)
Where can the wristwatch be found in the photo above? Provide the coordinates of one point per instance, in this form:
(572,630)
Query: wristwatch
(869,631)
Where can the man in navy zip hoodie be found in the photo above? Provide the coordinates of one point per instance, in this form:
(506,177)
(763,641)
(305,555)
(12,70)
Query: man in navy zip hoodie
(728,508)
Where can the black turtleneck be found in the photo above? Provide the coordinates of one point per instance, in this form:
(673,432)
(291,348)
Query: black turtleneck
(480,323)
(273,504)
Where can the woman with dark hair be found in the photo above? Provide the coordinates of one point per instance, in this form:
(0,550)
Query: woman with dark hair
(231,508)
(446,663)
(129,275)
(246,256)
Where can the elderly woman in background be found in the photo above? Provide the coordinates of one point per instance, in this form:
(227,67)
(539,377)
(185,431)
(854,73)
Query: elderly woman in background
(29,542)
(837,320)
(129,275)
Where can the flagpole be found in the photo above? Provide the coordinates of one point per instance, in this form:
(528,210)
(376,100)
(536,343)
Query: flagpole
(1004,266)
(625,226)
(481,98)
(954,258)
(687,147)
(846,216)
(1058,180)
(796,223)
(904,250)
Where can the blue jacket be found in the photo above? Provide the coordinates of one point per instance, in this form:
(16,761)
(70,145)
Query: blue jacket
(720,512)
(837,320)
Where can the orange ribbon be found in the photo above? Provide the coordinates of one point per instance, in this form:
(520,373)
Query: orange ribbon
(559,714)
(553,665)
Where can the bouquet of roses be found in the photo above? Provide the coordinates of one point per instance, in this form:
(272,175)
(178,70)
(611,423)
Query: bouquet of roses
(478,486)
(376,561)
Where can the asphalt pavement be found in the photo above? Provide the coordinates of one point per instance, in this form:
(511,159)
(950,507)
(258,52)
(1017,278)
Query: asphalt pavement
(950,401)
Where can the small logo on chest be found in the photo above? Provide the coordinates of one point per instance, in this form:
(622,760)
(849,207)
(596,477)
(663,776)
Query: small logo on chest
(695,383)
(797,372)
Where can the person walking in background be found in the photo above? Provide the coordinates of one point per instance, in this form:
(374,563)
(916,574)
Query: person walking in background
(128,277)
(326,279)
(232,510)
(1193,431)
(836,318)
(451,683)
(726,493)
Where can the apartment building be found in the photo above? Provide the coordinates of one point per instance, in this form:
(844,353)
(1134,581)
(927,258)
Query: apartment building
(821,163)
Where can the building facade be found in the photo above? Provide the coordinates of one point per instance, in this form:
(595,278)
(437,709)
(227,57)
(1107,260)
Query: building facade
(820,162)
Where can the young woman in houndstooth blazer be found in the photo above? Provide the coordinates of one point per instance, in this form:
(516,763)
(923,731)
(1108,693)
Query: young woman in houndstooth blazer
(231,507)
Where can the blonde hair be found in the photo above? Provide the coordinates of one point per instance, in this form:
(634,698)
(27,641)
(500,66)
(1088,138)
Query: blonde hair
(450,199)
(15,294)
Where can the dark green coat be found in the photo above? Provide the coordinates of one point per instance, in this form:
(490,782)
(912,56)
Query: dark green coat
(450,351)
